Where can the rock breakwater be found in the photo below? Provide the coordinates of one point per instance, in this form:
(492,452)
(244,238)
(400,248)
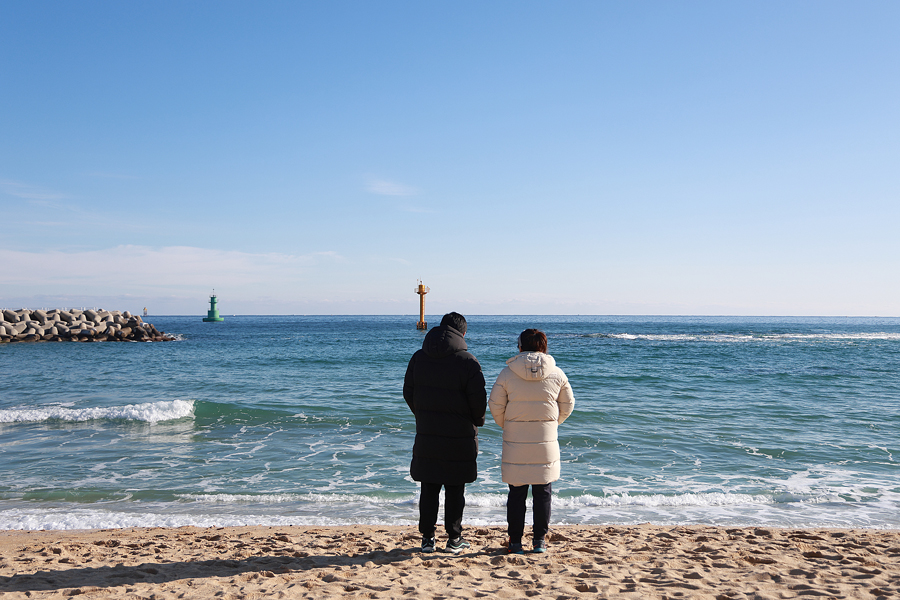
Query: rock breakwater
(73,325)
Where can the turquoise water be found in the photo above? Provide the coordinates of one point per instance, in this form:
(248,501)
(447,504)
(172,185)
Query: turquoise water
(300,420)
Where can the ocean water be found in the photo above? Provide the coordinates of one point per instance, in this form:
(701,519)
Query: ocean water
(300,420)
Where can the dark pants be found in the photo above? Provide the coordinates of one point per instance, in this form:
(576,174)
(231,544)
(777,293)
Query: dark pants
(454,503)
(515,511)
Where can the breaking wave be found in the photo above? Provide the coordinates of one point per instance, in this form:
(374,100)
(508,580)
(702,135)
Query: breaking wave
(749,337)
(148,412)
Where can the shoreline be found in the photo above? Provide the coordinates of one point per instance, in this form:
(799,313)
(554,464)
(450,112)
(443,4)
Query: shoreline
(642,561)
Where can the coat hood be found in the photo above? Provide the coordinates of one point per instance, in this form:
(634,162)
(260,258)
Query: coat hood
(443,341)
(532,366)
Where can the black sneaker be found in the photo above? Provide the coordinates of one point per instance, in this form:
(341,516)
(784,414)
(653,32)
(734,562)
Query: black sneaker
(456,546)
(427,544)
(539,547)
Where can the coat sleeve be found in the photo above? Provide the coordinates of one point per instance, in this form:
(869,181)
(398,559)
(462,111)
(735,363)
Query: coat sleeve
(409,387)
(476,396)
(566,401)
(499,398)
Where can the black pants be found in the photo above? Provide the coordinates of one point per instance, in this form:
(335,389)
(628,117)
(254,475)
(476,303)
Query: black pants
(454,503)
(515,511)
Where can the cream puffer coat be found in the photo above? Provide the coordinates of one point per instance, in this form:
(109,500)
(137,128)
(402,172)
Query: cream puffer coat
(529,399)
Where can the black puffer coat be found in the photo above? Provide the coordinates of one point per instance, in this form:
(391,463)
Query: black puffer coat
(444,387)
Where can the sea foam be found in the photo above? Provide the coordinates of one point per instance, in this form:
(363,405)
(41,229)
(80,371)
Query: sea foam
(725,338)
(61,519)
(149,412)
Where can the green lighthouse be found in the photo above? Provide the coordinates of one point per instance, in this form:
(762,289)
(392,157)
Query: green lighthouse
(212,315)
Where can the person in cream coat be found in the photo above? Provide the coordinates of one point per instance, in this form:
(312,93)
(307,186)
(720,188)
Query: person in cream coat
(530,398)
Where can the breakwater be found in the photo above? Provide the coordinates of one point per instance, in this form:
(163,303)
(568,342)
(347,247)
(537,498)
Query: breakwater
(74,325)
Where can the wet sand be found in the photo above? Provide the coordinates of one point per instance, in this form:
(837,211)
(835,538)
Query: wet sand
(645,561)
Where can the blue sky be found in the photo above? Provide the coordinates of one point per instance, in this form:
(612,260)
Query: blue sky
(519,157)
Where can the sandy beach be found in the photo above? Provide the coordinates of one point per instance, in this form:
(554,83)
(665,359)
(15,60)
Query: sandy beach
(643,561)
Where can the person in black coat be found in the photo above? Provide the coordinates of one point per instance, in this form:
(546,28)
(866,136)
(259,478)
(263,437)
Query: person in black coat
(444,388)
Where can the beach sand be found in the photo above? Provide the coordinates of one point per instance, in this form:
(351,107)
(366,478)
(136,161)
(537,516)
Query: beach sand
(644,561)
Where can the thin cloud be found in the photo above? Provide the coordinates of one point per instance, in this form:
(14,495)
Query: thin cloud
(381,260)
(102,175)
(390,188)
(167,269)
(328,254)
(27,191)
(416,209)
